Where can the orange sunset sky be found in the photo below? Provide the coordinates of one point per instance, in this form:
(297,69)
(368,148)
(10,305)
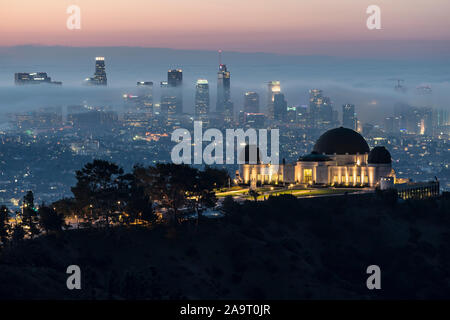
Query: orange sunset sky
(242,25)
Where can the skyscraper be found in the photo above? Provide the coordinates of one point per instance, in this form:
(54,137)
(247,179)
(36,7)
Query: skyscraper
(273,88)
(349,116)
(320,110)
(175,77)
(251,102)
(279,107)
(202,100)
(145,96)
(100,72)
(315,101)
(21,78)
(99,78)
(175,85)
(168,103)
(224,106)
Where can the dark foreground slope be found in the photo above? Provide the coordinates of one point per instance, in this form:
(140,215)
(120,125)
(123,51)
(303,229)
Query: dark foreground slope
(279,249)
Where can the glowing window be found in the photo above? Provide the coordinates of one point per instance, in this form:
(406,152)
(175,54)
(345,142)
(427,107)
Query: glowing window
(307,175)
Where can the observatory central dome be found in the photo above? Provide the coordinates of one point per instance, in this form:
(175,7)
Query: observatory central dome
(341,141)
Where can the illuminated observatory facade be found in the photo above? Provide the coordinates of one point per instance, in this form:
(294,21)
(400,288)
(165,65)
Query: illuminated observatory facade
(340,156)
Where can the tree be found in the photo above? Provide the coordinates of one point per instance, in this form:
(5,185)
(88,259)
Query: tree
(204,187)
(218,178)
(169,185)
(18,233)
(4,225)
(97,189)
(50,220)
(229,206)
(30,217)
(254,194)
(137,203)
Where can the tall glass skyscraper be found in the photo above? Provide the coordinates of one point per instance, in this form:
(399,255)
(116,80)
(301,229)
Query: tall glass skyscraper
(224,106)
(99,78)
(320,110)
(202,100)
(273,88)
(251,102)
(145,94)
(168,103)
(349,116)
(279,107)
(175,85)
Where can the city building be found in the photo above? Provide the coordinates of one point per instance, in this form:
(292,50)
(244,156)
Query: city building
(273,87)
(175,89)
(44,118)
(251,102)
(349,116)
(279,107)
(321,113)
(411,190)
(340,157)
(254,120)
(202,101)
(99,78)
(22,78)
(145,94)
(224,106)
(168,102)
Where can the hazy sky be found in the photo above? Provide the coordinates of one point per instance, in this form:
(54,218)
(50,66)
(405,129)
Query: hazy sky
(282,26)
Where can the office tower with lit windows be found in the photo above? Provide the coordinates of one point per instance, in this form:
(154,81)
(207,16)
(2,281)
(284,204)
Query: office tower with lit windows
(224,106)
(22,78)
(274,87)
(99,78)
(315,103)
(291,115)
(202,101)
(349,116)
(251,102)
(254,120)
(145,96)
(139,106)
(168,103)
(321,114)
(279,107)
(175,86)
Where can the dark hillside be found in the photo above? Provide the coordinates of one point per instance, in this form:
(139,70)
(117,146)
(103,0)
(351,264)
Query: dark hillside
(282,248)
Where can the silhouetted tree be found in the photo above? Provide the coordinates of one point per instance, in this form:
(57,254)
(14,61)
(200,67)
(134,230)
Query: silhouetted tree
(204,185)
(4,225)
(30,217)
(66,206)
(97,189)
(50,220)
(217,178)
(137,203)
(229,206)
(170,185)
(18,233)
(254,194)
